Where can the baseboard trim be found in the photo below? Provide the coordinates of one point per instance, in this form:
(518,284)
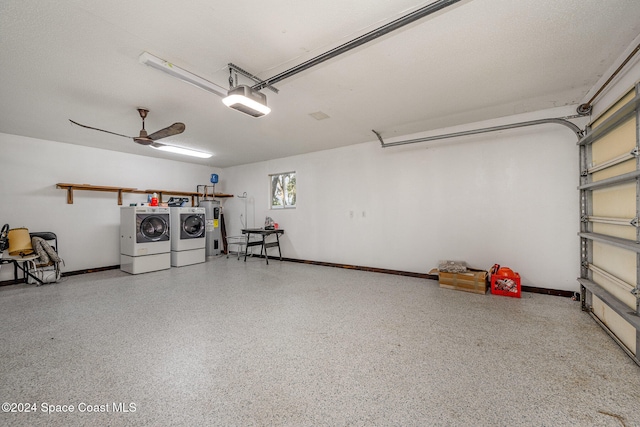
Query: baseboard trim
(90,270)
(531,289)
(361,268)
(554,292)
(65,274)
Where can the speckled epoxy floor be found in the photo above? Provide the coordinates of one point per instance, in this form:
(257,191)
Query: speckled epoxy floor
(228,343)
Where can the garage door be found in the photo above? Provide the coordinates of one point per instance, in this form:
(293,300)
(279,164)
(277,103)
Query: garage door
(609,232)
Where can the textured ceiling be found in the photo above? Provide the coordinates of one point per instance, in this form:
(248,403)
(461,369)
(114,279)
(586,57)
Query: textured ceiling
(476,60)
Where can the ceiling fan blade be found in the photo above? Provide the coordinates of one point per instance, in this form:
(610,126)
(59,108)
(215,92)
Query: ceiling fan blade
(101,130)
(174,129)
(143,140)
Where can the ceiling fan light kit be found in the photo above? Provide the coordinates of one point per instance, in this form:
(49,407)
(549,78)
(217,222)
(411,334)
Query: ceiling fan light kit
(249,101)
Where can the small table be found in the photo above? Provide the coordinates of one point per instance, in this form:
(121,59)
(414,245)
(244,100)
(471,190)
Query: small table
(264,245)
(22,263)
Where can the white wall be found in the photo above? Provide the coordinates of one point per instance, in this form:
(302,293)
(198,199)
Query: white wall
(508,198)
(88,229)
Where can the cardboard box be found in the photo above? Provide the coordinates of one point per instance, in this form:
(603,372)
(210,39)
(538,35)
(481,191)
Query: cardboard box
(474,281)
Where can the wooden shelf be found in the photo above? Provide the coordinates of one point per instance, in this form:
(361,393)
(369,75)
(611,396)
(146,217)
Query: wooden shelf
(88,187)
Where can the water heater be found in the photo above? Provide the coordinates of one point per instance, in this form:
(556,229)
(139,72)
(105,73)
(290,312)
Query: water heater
(213,234)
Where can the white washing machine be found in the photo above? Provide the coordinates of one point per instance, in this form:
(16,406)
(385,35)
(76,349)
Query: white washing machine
(145,239)
(188,241)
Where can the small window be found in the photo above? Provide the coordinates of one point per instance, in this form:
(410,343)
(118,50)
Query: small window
(283,190)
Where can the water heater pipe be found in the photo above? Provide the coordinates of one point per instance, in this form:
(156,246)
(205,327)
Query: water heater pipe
(244,197)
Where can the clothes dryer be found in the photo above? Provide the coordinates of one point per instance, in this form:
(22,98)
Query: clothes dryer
(188,228)
(145,239)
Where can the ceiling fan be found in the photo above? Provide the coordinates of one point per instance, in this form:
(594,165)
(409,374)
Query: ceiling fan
(144,138)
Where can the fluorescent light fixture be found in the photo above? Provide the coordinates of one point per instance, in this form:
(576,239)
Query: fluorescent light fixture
(247,100)
(180,150)
(175,71)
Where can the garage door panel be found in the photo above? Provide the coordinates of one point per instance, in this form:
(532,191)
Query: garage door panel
(621,231)
(615,202)
(624,331)
(615,107)
(610,205)
(617,261)
(622,292)
(619,169)
(619,141)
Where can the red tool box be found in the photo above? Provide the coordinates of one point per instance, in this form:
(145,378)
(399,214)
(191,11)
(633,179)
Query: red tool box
(506,282)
